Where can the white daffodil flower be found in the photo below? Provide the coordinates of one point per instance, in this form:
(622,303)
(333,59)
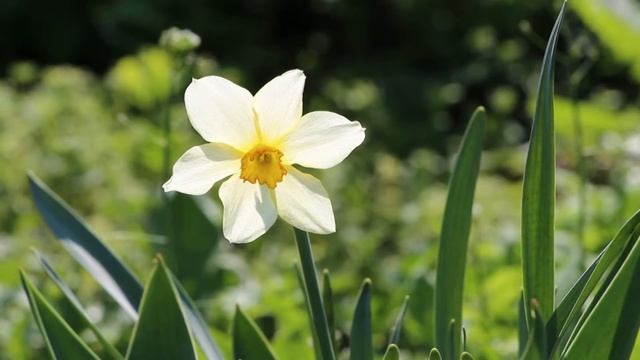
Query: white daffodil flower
(255,141)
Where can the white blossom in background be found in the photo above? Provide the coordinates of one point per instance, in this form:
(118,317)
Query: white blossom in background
(255,141)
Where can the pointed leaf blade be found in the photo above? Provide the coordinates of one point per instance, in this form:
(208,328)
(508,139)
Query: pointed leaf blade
(361,341)
(249,342)
(454,238)
(394,338)
(75,303)
(62,342)
(538,194)
(161,331)
(86,248)
(611,327)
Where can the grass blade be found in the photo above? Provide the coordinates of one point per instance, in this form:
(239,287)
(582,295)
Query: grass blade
(456,225)
(327,300)
(86,248)
(313,292)
(610,328)
(62,342)
(394,338)
(161,331)
(538,194)
(75,304)
(110,272)
(392,353)
(249,342)
(361,341)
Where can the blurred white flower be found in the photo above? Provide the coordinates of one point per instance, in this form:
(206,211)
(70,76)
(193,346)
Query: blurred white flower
(256,140)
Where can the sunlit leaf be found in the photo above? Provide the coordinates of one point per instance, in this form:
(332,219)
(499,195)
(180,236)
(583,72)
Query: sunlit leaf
(90,252)
(434,354)
(161,331)
(61,341)
(538,198)
(456,225)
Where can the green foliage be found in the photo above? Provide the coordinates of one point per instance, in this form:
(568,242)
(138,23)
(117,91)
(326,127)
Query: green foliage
(161,331)
(361,336)
(539,192)
(392,353)
(110,351)
(456,225)
(62,342)
(249,342)
(97,141)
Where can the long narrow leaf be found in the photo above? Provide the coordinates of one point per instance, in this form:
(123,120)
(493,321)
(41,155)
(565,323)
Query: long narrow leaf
(456,225)
(161,331)
(327,300)
(86,248)
(110,272)
(62,342)
(75,303)
(604,262)
(361,341)
(249,342)
(313,292)
(610,329)
(538,195)
(394,338)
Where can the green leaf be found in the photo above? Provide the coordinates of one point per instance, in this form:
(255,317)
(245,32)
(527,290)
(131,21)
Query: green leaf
(327,300)
(561,313)
(161,331)
(313,292)
(601,266)
(456,225)
(248,341)
(394,338)
(536,347)
(87,249)
(538,195)
(183,217)
(610,328)
(466,356)
(314,334)
(361,341)
(434,354)
(392,353)
(111,351)
(62,342)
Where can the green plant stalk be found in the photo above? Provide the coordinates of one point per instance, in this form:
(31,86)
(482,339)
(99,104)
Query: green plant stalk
(538,195)
(313,291)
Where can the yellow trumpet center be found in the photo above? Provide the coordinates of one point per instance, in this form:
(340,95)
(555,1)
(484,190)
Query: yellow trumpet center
(263,164)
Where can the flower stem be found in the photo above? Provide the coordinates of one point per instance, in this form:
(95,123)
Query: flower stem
(318,315)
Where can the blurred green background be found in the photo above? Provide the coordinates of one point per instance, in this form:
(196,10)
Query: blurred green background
(85,87)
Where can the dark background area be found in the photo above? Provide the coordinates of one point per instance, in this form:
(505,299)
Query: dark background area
(424,56)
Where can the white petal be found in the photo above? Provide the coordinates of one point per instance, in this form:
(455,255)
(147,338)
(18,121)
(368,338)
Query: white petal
(249,210)
(221,111)
(200,167)
(303,202)
(322,140)
(279,105)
